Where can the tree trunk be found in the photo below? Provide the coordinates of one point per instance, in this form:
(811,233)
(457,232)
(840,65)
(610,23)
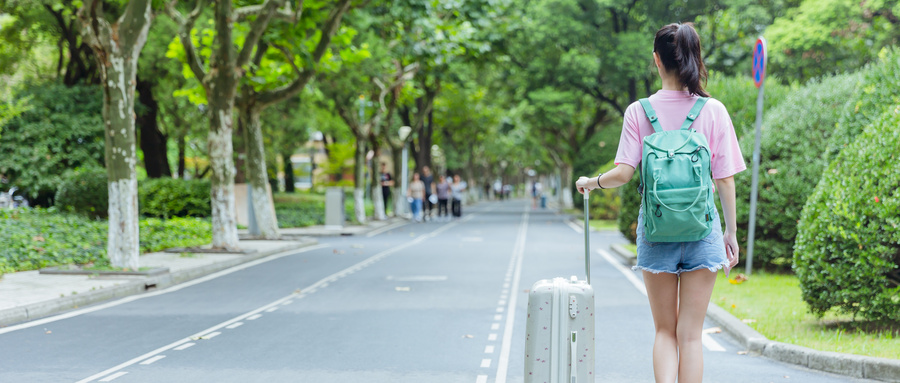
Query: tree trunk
(153,142)
(375,180)
(397,159)
(567,183)
(240,150)
(359,187)
(117,48)
(224,223)
(258,176)
(182,149)
(289,172)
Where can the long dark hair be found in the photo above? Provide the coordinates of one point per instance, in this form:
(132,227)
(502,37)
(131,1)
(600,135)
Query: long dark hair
(678,46)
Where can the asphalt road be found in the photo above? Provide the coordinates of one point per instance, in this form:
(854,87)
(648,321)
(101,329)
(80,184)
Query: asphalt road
(432,302)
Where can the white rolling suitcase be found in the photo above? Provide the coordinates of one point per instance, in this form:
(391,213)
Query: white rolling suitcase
(559,344)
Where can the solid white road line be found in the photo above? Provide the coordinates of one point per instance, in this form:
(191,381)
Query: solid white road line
(153,359)
(629,275)
(132,298)
(506,345)
(211,335)
(386,228)
(113,376)
(711,343)
(274,305)
(184,346)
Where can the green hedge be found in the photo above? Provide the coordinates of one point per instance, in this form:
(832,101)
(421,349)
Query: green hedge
(849,234)
(792,159)
(84,192)
(37,238)
(170,197)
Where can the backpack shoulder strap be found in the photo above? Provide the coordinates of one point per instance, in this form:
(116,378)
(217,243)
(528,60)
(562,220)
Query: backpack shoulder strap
(651,114)
(694,112)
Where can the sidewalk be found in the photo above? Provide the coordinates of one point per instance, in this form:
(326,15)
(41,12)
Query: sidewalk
(857,366)
(29,295)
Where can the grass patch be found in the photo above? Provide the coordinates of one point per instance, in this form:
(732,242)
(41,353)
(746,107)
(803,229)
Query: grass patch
(604,224)
(773,306)
(631,247)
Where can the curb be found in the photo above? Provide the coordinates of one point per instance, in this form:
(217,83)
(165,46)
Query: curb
(857,366)
(55,306)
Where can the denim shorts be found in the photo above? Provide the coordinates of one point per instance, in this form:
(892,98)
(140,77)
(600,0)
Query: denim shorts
(679,257)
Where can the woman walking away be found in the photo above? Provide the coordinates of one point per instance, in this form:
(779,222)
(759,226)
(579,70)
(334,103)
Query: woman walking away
(456,191)
(443,195)
(416,194)
(680,242)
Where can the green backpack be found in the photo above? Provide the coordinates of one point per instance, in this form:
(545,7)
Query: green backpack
(677,199)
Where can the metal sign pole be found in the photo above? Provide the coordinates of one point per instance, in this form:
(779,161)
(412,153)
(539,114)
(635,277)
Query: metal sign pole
(759,75)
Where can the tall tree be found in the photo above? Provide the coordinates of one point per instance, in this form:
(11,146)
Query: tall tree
(256,96)
(219,77)
(117,47)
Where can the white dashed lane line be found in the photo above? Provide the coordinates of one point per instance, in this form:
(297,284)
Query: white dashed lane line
(153,359)
(113,376)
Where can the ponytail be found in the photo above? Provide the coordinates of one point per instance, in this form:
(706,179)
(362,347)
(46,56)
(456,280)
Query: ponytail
(678,46)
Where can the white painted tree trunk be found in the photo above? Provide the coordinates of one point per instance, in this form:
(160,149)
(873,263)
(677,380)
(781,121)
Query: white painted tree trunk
(567,184)
(359,204)
(257,175)
(378,202)
(224,223)
(123,240)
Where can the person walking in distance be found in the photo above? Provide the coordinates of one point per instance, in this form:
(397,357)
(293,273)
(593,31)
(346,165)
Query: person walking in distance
(679,275)
(443,196)
(428,180)
(416,193)
(456,192)
(387,182)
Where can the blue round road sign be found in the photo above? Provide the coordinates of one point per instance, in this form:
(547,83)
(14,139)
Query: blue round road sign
(759,62)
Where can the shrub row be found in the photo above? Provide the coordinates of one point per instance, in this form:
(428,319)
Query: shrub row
(37,238)
(85,192)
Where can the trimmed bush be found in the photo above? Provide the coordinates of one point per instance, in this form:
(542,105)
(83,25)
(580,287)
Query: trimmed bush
(84,192)
(62,130)
(792,158)
(169,197)
(630,207)
(848,237)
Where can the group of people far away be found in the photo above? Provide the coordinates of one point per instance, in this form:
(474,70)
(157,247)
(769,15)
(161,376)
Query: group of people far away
(424,193)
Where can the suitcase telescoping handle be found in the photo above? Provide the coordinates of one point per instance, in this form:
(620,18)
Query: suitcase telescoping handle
(587,237)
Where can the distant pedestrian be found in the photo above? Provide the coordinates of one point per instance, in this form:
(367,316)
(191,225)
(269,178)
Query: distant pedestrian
(443,196)
(416,193)
(456,192)
(387,182)
(536,191)
(679,276)
(428,180)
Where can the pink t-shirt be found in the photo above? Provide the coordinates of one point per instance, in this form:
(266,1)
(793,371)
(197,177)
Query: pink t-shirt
(672,107)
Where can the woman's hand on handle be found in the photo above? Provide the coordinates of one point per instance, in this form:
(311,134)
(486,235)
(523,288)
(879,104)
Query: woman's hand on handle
(584,184)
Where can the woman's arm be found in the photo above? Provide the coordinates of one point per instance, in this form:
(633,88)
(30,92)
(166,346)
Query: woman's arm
(725,188)
(619,176)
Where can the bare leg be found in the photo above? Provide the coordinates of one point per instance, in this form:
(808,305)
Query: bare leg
(662,290)
(696,288)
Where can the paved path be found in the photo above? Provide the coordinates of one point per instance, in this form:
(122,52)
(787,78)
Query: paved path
(433,302)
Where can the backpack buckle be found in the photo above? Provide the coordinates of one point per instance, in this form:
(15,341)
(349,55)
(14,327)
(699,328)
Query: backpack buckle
(671,153)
